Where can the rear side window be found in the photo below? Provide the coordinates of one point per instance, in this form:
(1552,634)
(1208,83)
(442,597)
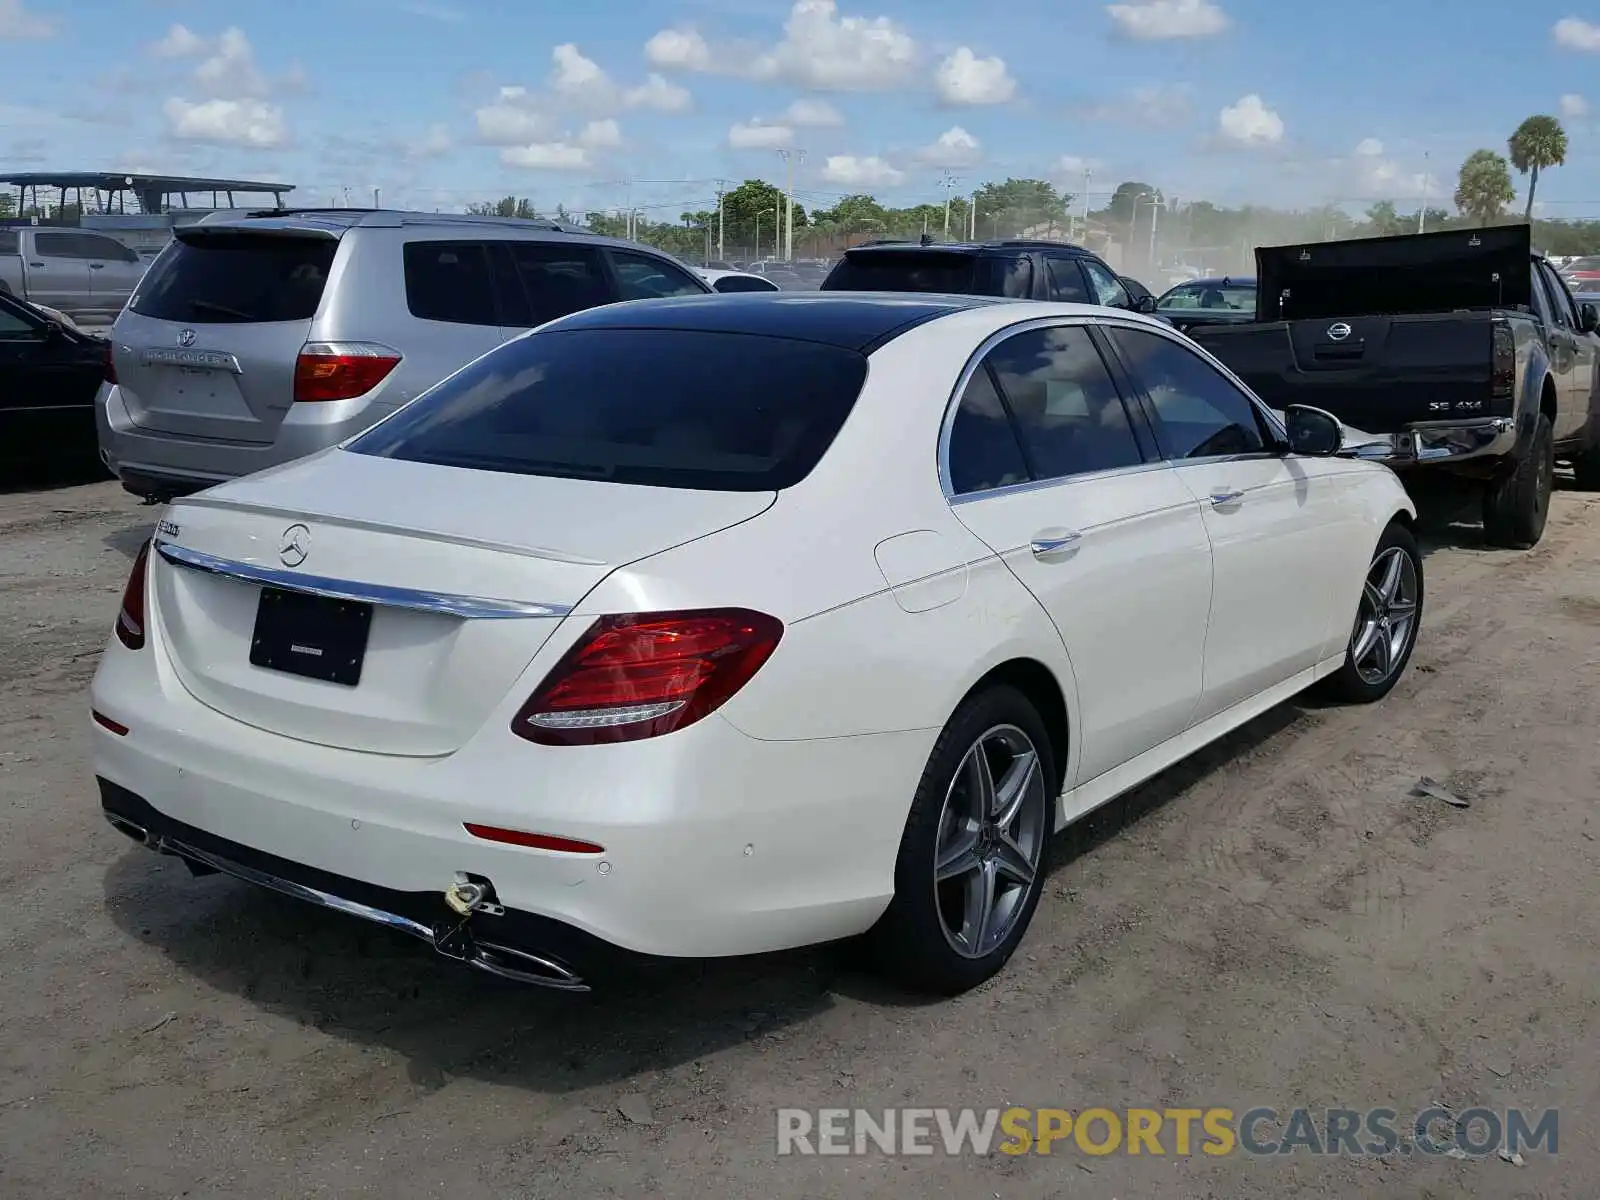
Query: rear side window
(56,245)
(654,407)
(232,277)
(450,281)
(559,279)
(983,445)
(9,243)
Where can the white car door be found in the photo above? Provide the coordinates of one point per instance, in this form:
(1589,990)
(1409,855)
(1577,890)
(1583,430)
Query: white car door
(1049,466)
(1283,528)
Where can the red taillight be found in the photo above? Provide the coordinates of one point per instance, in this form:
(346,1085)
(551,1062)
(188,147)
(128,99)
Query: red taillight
(645,674)
(341,370)
(1503,360)
(130,621)
(108,371)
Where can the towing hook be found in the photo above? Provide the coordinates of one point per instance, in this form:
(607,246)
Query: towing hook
(465,897)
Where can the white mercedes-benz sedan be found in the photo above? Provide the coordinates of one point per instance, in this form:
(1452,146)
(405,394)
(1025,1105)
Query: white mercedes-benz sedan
(713,625)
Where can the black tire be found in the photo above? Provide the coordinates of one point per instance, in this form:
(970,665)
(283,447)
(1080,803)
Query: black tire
(1358,681)
(1515,508)
(1586,469)
(911,941)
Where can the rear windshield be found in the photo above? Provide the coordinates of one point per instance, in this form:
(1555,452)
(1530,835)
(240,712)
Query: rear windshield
(1233,297)
(657,407)
(921,271)
(228,278)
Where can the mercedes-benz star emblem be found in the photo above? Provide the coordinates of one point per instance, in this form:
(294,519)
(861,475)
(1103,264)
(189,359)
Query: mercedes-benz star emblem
(294,545)
(1338,331)
(185,337)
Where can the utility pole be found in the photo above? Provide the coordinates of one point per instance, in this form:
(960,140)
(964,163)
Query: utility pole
(949,185)
(721,257)
(972,219)
(1422,210)
(1155,210)
(1087,174)
(376,192)
(790,157)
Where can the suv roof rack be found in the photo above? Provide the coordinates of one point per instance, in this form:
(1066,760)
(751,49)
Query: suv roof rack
(1031,243)
(400,216)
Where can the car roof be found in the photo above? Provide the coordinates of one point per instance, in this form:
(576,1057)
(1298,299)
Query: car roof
(338,221)
(893,247)
(858,321)
(1218,281)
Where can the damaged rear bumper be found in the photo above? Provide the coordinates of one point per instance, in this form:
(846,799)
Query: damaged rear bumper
(1434,443)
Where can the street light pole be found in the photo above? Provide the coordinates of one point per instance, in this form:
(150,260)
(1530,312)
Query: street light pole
(721,257)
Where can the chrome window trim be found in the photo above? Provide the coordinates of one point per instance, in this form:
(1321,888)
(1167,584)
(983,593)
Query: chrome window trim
(480,608)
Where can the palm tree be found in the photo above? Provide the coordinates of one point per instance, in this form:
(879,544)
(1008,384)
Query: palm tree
(1484,188)
(1539,142)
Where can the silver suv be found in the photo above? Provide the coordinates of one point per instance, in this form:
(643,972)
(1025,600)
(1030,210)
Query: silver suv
(252,341)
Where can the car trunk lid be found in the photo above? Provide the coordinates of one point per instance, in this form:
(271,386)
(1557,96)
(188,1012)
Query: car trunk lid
(441,583)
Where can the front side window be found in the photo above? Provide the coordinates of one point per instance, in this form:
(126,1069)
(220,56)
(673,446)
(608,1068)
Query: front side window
(1108,289)
(1230,297)
(1069,416)
(56,245)
(1066,282)
(1201,413)
(642,277)
(651,407)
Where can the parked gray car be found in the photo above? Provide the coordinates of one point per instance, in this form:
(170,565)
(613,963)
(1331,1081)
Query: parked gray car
(254,341)
(87,276)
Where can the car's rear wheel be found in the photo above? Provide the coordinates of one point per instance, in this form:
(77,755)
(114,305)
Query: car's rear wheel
(975,849)
(1388,617)
(1515,508)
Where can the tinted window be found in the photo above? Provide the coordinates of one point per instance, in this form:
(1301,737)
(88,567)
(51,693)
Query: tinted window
(450,281)
(744,283)
(1066,282)
(983,444)
(104,249)
(1560,298)
(559,279)
(13,326)
(1201,412)
(1107,287)
(642,277)
(661,408)
(56,245)
(904,271)
(1068,413)
(1209,295)
(233,277)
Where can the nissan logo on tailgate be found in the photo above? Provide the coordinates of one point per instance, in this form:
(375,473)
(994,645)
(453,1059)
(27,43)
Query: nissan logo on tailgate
(1339,331)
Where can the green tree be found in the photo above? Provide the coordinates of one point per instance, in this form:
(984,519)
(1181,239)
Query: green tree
(1483,190)
(752,199)
(509,206)
(8,205)
(1538,143)
(1008,208)
(854,213)
(1128,198)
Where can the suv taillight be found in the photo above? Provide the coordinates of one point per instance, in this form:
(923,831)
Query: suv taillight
(1503,362)
(130,621)
(341,370)
(108,370)
(645,674)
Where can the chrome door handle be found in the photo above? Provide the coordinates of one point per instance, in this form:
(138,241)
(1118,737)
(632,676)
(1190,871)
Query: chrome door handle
(1218,499)
(1042,546)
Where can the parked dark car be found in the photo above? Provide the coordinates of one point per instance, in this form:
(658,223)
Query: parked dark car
(49,374)
(1462,350)
(1228,300)
(1017,268)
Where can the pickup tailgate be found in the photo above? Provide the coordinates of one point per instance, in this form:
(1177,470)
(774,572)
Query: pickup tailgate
(1377,373)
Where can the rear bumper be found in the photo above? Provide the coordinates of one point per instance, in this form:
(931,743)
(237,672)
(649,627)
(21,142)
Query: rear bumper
(1438,443)
(165,465)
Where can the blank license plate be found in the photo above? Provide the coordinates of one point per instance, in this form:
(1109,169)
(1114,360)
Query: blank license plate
(312,636)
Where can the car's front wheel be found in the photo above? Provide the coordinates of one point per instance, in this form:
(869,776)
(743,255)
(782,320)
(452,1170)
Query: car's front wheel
(975,849)
(1388,617)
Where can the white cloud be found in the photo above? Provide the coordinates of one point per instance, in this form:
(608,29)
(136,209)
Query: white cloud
(759,135)
(180,42)
(546,156)
(1369,148)
(964,78)
(1151,104)
(1073,166)
(809,113)
(658,94)
(18,24)
(601,135)
(1250,123)
(1159,20)
(1574,107)
(239,122)
(825,52)
(513,119)
(678,50)
(435,143)
(1574,33)
(955,147)
(580,79)
(851,171)
(229,71)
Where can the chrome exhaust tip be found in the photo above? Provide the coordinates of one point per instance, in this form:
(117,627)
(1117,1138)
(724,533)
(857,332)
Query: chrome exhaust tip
(131,829)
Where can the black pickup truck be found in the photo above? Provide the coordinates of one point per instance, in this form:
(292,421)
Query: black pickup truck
(1459,351)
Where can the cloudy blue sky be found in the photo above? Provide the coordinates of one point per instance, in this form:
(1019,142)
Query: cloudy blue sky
(441,101)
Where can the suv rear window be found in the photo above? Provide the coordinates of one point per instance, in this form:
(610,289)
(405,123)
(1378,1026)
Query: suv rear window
(932,271)
(231,278)
(450,281)
(656,407)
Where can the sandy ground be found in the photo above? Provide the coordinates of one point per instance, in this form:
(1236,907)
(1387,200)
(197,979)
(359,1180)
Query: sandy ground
(1274,923)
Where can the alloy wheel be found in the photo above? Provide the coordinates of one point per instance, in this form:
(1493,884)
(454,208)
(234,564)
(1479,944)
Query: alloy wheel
(1387,616)
(991,836)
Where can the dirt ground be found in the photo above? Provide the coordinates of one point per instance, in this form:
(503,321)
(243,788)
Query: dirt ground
(1275,923)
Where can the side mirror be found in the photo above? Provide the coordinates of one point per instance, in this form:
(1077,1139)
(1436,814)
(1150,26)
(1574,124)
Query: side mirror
(1145,304)
(1589,317)
(1312,432)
